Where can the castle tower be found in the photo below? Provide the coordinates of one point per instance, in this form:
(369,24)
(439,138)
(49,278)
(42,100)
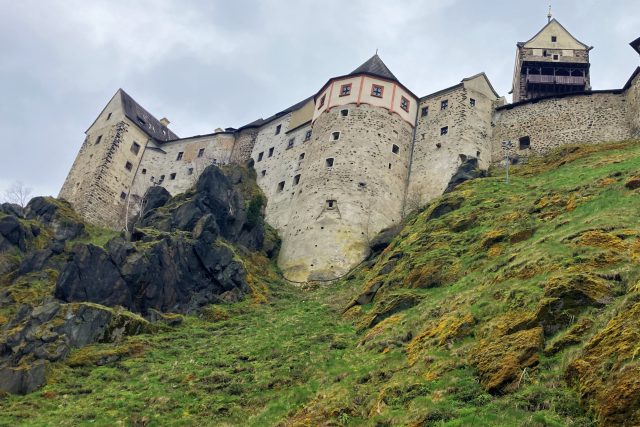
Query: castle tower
(356,166)
(552,62)
(102,174)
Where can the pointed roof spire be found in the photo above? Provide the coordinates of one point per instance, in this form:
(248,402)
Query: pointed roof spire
(549,15)
(374,66)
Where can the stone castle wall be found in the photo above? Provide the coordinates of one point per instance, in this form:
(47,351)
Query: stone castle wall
(633,107)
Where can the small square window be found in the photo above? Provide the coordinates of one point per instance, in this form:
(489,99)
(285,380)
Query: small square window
(472,102)
(395,149)
(123,195)
(555,57)
(270,152)
(524,143)
(444,130)
(301,157)
(329,162)
(296,179)
(335,136)
(144,171)
(108,116)
(99,139)
(377,91)
(263,173)
(190,171)
(290,143)
(331,204)
(201,152)
(404,103)
(280,186)
(424,112)
(554,39)
(180,154)
(322,102)
(172,176)
(161,179)
(444,104)
(344,113)
(278,129)
(135,148)
(307,135)
(128,166)
(345,90)
(260,156)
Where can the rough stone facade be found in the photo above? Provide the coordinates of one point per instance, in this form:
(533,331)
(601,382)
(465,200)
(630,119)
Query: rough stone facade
(342,165)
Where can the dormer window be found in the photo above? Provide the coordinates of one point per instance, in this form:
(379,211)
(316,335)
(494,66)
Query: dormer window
(345,90)
(404,104)
(377,91)
(322,102)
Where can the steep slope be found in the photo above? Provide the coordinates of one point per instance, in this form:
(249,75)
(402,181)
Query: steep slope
(499,304)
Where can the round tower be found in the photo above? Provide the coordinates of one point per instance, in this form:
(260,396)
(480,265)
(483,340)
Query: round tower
(355,173)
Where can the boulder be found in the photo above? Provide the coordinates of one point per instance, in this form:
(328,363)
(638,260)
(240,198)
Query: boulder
(469,169)
(384,239)
(13,233)
(56,215)
(22,379)
(12,209)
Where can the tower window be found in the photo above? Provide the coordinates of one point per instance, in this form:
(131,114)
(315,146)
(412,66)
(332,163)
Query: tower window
(389,165)
(395,149)
(335,136)
(280,186)
(554,39)
(296,179)
(344,113)
(278,129)
(263,173)
(424,112)
(301,157)
(472,102)
(377,91)
(190,171)
(201,152)
(524,142)
(329,162)
(108,116)
(444,104)
(345,90)
(123,195)
(404,103)
(128,166)
(99,139)
(135,148)
(180,154)
(307,135)
(444,130)
(290,143)
(172,176)
(322,102)
(260,156)
(270,152)
(332,204)
(144,171)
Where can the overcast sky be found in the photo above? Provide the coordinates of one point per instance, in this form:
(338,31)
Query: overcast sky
(223,63)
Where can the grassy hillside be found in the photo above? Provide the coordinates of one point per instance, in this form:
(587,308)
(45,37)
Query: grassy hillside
(510,305)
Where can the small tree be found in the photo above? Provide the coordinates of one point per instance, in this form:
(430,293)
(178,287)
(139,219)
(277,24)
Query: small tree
(18,194)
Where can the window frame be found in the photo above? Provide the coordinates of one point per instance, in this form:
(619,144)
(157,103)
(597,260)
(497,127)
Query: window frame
(180,155)
(348,87)
(135,148)
(405,103)
(271,150)
(444,130)
(373,90)
(200,152)
(128,166)
(424,111)
(322,99)
(329,162)
(335,136)
(444,105)
(278,129)
(307,135)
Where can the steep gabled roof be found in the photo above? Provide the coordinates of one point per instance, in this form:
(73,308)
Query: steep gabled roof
(145,120)
(552,22)
(375,67)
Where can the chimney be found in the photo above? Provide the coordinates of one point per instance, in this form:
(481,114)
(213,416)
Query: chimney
(164,122)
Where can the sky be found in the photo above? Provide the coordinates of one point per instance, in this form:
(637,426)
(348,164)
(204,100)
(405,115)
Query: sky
(206,64)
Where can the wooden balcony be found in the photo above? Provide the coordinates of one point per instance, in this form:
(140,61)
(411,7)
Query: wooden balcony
(562,80)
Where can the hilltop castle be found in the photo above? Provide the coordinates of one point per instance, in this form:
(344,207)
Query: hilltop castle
(350,160)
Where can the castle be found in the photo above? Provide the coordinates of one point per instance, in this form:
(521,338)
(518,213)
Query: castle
(352,159)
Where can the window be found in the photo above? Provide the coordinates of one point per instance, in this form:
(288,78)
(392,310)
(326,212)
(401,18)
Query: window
(344,113)
(444,130)
(260,156)
(554,39)
(322,102)
(144,171)
(201,152)
(99,139)
(135,148)
(123,195)
(290,143)
(278,129)
(335,136)
(377,91)
(128,166)
(108,116)
(525,143)
(296,179)
(331,204)
(345,90)
(556,57)
(307,135)
(172,176)
(329,162)
(161,179)
(271,152)
(301,157)
(180,154)
(424,112)
(280,186)
(263,173)
(389,165)
(472,102)
(141,120)
(395,149)
(444,104)
(404,103)
(190,171)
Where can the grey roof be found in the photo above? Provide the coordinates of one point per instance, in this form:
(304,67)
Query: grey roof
(262,122)
(375,67)
(636,44)
(145,120)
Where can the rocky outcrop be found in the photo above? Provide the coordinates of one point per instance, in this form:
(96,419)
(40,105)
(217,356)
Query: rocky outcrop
(57,215)
(469,169)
